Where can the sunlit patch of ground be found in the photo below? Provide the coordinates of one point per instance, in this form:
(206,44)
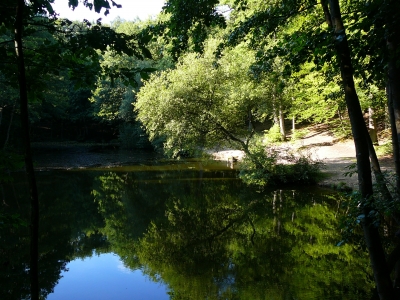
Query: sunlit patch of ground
(319,144)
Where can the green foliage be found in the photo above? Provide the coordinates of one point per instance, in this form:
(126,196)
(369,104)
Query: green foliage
(341,186)
(350,223)
(202,102)
(254,175)
(384,149)
(341,127)
(115,94)
(381,210)
(189,23)
(299,134)
(271,167)
(79,107)
(107,100)
(315,98)
(273,135)
(209,99)
(299,171)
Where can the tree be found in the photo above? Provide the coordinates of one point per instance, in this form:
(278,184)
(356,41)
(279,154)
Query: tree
(98,38)
(189,24)
(371,233)
(313,41)
(202,102)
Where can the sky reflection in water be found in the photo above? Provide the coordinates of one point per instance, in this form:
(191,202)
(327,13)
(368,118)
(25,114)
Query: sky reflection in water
(105,277)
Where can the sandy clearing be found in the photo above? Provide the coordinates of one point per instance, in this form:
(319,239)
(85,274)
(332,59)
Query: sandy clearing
(321,145)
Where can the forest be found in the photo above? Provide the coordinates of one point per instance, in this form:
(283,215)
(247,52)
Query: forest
(210,74)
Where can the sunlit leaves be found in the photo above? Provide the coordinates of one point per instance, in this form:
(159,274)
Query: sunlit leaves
(190,23)
(201,102)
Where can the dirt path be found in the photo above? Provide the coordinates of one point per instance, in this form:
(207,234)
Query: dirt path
(321,145)
(337,156)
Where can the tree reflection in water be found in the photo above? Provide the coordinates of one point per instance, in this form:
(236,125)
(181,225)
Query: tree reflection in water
(196,229)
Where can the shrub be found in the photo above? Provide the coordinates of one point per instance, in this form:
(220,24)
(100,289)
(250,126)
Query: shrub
(273,135)
(299,134)
(384,149)
(262,168)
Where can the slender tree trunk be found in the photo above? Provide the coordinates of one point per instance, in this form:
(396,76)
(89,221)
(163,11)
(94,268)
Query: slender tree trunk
(282,124)
(394,78)
(371,234)
(293,124)
(393,86)
(395,142)
(34,226)
(275,112)
(393,45)
(379,177)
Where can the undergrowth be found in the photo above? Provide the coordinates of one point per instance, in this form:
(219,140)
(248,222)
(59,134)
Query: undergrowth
(270,167)
(384,149)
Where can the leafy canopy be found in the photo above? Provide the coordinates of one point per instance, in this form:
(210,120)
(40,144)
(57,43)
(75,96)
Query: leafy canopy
(203,101)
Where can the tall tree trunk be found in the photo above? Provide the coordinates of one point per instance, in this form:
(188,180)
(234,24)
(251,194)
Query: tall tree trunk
(393,86)
(393,82)
(293,124)
(275,111)
(379,177)
(34,226)
(395,141)
(282,123)
(371,234)
(373,132)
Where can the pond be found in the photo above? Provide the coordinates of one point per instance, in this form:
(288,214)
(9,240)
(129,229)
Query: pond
(177,230)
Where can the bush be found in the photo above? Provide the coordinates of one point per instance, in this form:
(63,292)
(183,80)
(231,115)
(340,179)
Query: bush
(262,168)
(273,135)
(303,170)
(299,134)
(341,130)
(384,149)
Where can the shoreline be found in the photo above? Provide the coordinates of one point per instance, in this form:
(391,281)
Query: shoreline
(336,157)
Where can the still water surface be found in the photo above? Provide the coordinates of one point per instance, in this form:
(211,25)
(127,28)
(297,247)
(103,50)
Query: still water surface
(109,278)
(187,230)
